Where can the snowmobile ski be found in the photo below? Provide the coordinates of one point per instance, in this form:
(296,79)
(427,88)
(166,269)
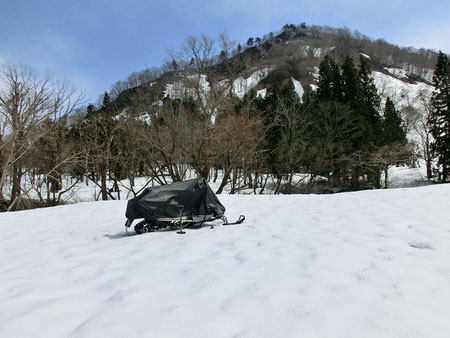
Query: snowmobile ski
(239,221)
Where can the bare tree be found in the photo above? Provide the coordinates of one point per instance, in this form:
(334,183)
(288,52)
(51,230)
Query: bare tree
(389,155)
(422,128)
(238,138)
(26,100)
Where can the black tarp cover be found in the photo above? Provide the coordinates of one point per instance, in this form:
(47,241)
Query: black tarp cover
(194,195)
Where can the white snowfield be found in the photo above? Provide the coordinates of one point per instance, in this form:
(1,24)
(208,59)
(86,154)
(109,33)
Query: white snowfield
(363,264)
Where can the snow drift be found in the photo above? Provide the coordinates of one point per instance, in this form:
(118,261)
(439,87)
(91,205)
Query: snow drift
(362,264)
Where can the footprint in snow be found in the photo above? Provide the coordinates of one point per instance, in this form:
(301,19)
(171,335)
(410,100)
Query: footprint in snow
(420,245)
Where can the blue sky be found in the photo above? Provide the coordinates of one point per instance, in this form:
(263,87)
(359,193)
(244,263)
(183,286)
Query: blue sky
(96,43)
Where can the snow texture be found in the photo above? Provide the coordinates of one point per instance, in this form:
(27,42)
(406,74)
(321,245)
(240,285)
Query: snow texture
(199,87)
(298,88)
(241,85)
(365,55)
(261,93)
(397,72)
(403,94)
(315,52)
(401,73)
(362,264)
(315,73)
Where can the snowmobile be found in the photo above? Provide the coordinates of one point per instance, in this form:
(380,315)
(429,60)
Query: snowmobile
(176,206)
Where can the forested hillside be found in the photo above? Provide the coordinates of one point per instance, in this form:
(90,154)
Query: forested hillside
(312,108)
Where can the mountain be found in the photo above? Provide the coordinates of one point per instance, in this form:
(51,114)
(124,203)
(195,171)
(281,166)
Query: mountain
(291,55)
(281,109)
(214,96)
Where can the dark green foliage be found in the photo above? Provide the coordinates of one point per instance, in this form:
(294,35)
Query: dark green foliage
(357,91)
(370,105)
(280,110)
(440,117)
(350,83)
(330,81)
(330,136)
(289,27)
(106,101)
(393,130)
(350,158)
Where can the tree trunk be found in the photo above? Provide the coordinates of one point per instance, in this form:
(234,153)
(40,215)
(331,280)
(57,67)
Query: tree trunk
(386,169)
(216,174)
(103,184)
(428,166)
(86,163)
(224,182)
(104,173)
(17,178)
(278,186)
(2,198)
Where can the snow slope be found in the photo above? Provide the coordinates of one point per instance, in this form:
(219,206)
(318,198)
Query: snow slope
(298,88)
(362,264)
(402,93)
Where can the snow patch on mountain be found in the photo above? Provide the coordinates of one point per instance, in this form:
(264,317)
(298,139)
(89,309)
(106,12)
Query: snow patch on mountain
(298,88)
(397,72)
(400,92)
(365,55)
(315,73)
(262,93)
(196,86)
(241,85)
(427,74)
(412,71)
(174,90)
(305,51)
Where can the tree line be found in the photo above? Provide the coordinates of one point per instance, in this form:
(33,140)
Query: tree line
(336,138)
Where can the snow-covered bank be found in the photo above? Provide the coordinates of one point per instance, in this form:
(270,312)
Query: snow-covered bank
(362,264)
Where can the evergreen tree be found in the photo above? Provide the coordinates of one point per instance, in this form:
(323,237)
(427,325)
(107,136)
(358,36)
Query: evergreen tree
(273,108)
(106,100)
(330,81)
(350,83)
(372,127)
(393,131)
(369,106)
(440,116)
(90,112)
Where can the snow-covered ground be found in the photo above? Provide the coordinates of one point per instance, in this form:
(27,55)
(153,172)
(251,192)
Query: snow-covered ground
(399,177)
(362,264)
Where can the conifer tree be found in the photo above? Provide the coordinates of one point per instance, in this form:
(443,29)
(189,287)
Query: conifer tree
(330,82)
(352,97)
(106,100)
(393,131)
(440,116)
(369,105)
(350,83)
(280,97)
